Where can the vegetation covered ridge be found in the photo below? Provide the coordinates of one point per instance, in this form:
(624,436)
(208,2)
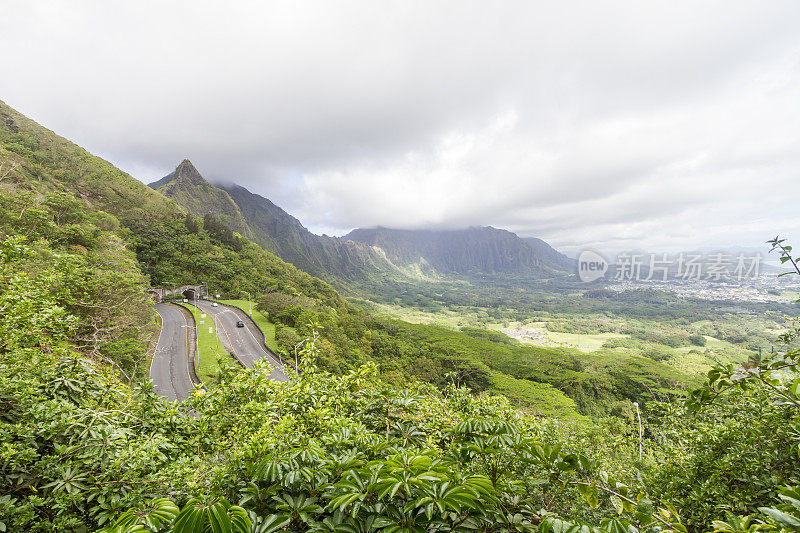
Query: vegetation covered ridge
(165,245)
(389,427)
(86,450)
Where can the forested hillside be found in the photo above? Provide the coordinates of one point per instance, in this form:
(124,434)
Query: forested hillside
(389,426)
(85,449)
(84,194)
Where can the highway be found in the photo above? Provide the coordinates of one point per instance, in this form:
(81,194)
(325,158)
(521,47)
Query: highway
(244,342)
(169,369)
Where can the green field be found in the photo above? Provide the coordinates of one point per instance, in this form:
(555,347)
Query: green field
(445,317)
(472,318)
(584,342)
(692,360)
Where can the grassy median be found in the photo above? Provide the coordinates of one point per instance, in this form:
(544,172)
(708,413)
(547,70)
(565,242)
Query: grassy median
(208,346)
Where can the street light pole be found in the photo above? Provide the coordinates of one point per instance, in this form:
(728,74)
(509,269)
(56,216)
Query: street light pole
(639,416)
(249,302)
(296,346)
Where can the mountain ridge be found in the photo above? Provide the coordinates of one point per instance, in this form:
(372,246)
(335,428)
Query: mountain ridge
(187,187)
(475,250)
(321,255)
(364,253)
(35,158)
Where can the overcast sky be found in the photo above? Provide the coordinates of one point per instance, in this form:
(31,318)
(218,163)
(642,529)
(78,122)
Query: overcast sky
(614,125)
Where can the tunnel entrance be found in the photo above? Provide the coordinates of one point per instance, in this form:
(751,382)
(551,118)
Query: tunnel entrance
(154,295)
(189,293)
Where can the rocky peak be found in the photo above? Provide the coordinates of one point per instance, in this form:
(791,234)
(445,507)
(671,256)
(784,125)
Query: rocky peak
(186,174)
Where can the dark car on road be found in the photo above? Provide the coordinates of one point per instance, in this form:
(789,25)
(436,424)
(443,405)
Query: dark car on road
(239,324)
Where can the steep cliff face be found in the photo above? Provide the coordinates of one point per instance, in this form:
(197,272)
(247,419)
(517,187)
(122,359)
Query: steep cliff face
(188,188)
(281,233)
(549,256)
(476,250)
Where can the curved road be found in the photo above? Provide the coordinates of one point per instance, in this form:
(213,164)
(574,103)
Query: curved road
(243,342)
(169,368)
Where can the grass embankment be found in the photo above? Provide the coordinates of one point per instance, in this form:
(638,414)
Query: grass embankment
(259,318)
(540,399)
(208,346)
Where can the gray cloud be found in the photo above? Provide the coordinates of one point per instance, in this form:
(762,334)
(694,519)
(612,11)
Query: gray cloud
(613,124)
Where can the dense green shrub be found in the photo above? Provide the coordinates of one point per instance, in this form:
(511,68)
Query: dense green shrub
(286,338)
(697,340)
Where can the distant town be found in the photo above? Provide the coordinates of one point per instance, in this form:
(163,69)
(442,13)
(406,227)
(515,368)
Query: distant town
(766,287)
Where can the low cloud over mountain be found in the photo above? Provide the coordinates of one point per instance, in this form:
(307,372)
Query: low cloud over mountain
(612,125)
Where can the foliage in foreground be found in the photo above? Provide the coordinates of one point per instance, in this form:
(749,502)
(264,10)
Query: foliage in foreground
(80,445)
(82,449)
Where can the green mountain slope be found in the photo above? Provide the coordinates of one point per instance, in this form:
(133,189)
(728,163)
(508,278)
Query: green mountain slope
(187,187)
(34,158)
(365,255)
(324,256)
(84,194)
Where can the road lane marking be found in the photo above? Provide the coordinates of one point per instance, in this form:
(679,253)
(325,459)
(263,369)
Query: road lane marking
(234,313)
(160,331)
(276,366)
(272,361)
(233,348)
(171,376)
